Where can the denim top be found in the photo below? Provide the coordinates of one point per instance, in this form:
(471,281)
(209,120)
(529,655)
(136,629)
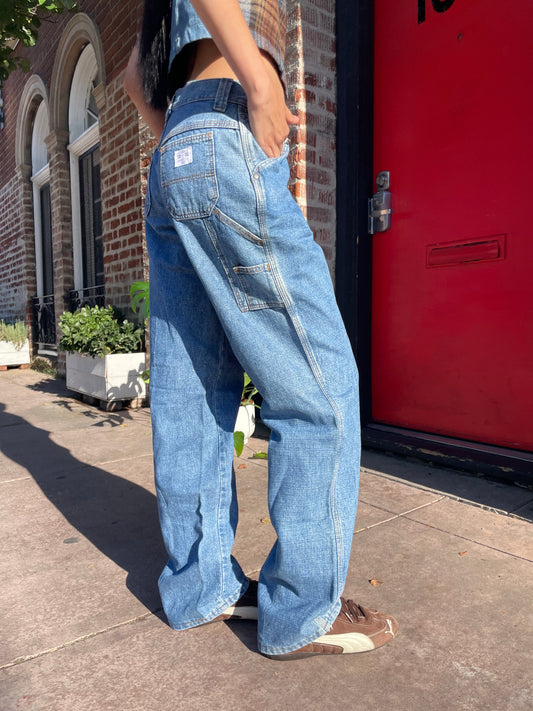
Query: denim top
(265,18)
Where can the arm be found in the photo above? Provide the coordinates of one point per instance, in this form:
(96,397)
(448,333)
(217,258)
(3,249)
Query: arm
(132,81)
(269,116)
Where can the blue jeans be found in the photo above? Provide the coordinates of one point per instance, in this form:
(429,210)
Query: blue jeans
(237,282)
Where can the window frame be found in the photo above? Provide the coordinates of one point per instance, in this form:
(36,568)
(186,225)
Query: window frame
(82,140)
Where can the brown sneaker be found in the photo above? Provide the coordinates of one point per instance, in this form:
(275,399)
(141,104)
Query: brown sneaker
(244,609)
(356,629)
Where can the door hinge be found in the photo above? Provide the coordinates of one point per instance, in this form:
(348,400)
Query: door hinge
(379,205)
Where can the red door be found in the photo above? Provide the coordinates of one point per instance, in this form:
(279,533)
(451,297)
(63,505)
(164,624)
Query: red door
(452,331)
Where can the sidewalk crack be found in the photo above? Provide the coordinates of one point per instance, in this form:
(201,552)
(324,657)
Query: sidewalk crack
(124,459)
(20,478)
(70,643)
(395,516)
(470,540)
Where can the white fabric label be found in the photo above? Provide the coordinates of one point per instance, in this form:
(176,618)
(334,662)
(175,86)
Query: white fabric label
(183,157)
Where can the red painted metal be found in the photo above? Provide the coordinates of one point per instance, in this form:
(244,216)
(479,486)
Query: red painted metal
(452,347)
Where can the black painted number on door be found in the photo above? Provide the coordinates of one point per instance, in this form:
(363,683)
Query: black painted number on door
(438,6)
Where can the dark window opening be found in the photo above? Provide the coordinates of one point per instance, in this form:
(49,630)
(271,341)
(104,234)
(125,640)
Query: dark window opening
(46,241)
(91,219)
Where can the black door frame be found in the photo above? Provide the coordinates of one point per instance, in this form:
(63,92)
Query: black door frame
(355,95)
(353,274)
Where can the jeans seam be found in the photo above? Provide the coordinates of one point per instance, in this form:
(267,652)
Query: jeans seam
(222,259)
(237,227)
(220,458)
(184,127)
(313,364)
(182,102)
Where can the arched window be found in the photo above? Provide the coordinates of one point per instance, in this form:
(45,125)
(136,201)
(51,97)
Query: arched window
(40,177)
(84,152)
(32,156)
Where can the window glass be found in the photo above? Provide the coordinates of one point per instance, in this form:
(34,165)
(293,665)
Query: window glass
(46,238)
(91,219)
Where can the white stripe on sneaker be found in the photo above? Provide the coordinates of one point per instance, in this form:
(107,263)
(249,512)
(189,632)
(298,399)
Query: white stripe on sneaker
(351,642)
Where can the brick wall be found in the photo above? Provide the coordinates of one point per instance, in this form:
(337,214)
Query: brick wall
(13,294)
(311,72)
(148,144)
(124,259)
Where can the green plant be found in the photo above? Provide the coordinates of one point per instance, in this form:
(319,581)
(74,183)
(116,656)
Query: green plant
(19,22)
(260,455)
(238,442)
(247,395)
(15,333)
(140,301)
(140,298)
(248,392)
(99,331)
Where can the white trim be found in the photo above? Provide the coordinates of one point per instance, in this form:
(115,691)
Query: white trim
(82,139)
(39,153)
(85,141)
(80,30)
(76,220)
(34,90)
(39,181)
(40,177)
(37,228)
(80,92)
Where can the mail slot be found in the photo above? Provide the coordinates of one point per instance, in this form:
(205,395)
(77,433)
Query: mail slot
(479,250)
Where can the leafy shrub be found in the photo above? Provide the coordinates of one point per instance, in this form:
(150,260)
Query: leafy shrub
(99,331)
(15,333)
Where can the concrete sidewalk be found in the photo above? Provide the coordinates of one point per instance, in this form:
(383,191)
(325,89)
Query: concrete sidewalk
(81,623)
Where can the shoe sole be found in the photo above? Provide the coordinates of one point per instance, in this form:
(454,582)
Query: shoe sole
(241,613)
(237,613)
(351,643)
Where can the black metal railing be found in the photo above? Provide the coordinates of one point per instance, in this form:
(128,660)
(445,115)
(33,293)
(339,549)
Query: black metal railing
(90,296)
(44,320)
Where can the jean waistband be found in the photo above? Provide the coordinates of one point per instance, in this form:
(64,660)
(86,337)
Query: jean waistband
(220,91)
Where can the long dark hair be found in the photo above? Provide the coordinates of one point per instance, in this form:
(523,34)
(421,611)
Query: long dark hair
(154,51)
(160,83)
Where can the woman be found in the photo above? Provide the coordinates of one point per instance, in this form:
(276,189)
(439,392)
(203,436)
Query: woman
(237,282)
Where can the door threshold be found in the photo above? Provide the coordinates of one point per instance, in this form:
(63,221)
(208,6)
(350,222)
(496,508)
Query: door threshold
(509,465)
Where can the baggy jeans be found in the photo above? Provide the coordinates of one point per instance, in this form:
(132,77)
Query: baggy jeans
(237,282)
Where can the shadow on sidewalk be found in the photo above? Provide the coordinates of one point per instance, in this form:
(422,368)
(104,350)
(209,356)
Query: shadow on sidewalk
(52,386)
(116,515)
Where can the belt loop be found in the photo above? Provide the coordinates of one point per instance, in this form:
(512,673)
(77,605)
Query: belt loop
(223,92)
(173,103)
(169,111)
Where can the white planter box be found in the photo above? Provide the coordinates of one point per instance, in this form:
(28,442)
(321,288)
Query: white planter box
(114,377)
(245,421)
(10,355)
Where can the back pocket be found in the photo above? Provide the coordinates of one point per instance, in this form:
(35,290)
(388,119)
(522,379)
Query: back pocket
(188,178)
